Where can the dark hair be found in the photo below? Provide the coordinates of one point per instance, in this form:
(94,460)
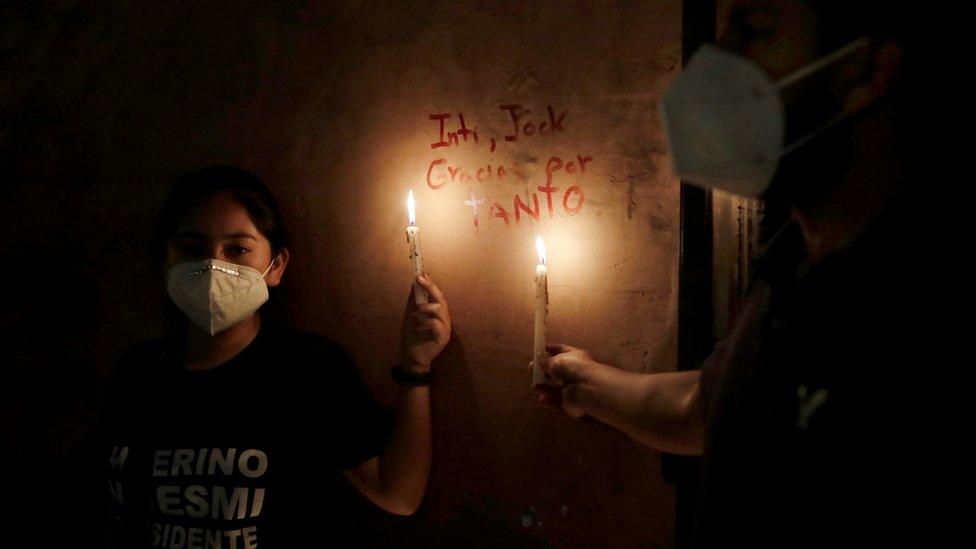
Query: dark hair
(196,187)
(839,22)
(804,176)
(246,189)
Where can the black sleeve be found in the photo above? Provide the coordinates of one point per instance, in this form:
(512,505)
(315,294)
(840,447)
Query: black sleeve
(742,340)
(111,411)
(356,428)
(116,395)
(712,370)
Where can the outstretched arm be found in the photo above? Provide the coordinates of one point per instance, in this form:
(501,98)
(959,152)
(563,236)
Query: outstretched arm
(661,410)
(396,480)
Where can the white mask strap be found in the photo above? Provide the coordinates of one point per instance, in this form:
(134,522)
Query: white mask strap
(266,271)
(822,62)
(811,68)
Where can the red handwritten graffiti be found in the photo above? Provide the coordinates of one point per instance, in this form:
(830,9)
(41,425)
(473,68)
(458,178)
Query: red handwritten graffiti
(448,138)
(517,113)
(523,125)
(497,210)
(440,172)
(454,133)
(580,198)
(521,207)
(430,169)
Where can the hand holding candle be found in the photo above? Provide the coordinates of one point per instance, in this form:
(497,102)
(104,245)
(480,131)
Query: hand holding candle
(413,239)
(541,312)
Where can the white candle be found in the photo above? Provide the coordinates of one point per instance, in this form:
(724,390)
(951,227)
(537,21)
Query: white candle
(413,238)
(541,312)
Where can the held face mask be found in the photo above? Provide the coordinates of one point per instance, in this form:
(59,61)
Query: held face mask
(216,295)
(726,123)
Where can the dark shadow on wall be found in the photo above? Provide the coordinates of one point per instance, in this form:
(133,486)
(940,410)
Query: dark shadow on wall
(457,510)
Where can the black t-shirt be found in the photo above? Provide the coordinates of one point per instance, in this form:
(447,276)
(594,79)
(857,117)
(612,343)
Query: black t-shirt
(247,454)
(819,404)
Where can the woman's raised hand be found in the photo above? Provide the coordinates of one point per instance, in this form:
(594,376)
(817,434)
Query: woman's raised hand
(426,327)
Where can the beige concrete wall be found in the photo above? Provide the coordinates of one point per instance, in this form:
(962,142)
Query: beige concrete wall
(331,105)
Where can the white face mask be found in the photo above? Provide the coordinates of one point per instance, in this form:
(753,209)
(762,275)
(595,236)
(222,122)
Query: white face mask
(725,120)
(216,295)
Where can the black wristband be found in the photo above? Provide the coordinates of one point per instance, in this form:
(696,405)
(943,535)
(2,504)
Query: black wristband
(413,379)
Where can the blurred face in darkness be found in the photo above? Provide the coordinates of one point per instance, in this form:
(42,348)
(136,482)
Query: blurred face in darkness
(781,36)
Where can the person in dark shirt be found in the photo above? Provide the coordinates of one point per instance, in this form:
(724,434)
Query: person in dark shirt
(804,414)
(239,431)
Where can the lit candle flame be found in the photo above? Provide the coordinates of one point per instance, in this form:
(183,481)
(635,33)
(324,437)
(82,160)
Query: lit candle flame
(411,208)
(540,247)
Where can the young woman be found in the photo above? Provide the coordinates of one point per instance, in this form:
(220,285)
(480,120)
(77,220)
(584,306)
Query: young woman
(239,431)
